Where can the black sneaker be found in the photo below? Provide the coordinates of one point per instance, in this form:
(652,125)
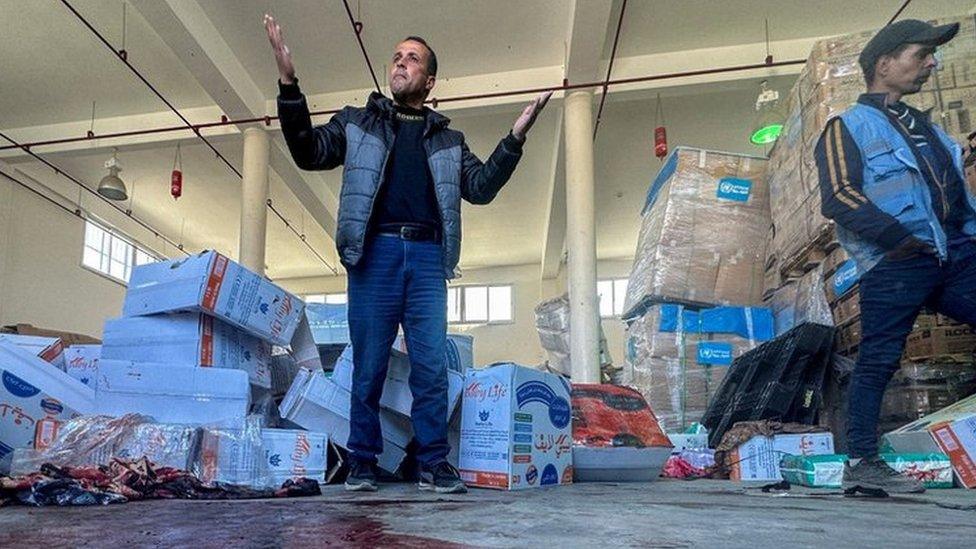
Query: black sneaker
(361,477)
(441,478)
(873,475)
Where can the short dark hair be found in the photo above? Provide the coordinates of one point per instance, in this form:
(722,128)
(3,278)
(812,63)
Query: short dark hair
(431,59)
(869,69)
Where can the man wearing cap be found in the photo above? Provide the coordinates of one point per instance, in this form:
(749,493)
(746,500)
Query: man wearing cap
(893,182)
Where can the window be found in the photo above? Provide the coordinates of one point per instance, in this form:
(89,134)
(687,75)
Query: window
(112,254)
(612,295)
(330,299)
(479,304)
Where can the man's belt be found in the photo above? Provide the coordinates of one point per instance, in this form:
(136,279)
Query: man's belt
(417,233)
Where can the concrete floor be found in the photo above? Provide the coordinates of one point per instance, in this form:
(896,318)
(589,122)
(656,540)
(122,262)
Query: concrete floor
(660,514)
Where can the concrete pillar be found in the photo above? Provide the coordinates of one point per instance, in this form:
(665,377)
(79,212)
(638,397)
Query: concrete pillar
(581,239)
(254,199)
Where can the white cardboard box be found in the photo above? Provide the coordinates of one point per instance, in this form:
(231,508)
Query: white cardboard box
(292,454)
(81,363)
(758,458)
(49,349)
(229,456)
(396,390)
(35,399)
(916,437)
(187,339)
(459,353)
(516,428)
(687,441)
(213,284)
(171,394)
(316,403)
(957,439)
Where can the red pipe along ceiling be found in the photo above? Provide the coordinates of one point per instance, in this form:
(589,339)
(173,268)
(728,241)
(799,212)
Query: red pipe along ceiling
(196,128)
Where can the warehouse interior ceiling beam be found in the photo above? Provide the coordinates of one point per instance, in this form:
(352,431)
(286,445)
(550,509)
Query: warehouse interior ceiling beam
(185,27)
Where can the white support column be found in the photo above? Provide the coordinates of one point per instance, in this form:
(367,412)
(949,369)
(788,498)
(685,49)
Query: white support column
(581,239)
(254,198)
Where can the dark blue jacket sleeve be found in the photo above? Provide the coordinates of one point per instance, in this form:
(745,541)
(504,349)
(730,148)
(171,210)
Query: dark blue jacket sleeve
(841,190)
(481,181)
(312,148)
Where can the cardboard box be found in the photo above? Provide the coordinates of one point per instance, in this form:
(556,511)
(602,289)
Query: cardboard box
(235,456)
(212,284)
(81,363)
(915,437)
(941,341)
(459,354)
(827,471)
(293,454)
(69,338)
(316,403)
(516,429)
(171,394)
(329,322)
(758,458)
(187,339)
(35,399)
(48,349)
(958,440)
(396,396)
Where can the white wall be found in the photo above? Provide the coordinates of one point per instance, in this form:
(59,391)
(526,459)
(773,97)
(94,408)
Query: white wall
(516,341)
(42,281)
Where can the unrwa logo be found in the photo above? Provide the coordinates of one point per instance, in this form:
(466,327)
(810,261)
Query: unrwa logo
(714,353)
(731,188)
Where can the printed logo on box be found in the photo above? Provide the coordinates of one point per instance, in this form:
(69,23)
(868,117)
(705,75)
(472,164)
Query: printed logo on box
(522,438)
(523,417)
(537,391)
(531,474)
(484,415)
(19,387)
(715,352)
(523,427)
(549,475)
(845,278)
(479,392)
(522,449)
(733,188)
(51,406)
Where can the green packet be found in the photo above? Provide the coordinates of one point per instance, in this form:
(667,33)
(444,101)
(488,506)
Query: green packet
(827,471)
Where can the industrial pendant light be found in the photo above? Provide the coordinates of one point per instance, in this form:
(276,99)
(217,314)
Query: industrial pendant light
(769,119)
(111,186)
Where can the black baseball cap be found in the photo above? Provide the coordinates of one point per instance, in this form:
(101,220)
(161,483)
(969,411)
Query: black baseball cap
(906,31)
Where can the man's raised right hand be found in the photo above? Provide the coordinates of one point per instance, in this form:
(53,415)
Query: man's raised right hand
(286,69)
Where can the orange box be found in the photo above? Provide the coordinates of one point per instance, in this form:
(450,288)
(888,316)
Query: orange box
(957,439)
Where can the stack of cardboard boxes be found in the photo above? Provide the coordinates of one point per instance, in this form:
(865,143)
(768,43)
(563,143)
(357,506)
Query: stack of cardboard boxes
(702,243)
(830,82)
(685,250)
(191,351)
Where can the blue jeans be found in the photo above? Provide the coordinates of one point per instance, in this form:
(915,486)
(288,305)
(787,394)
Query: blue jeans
(892,295)
(399,282)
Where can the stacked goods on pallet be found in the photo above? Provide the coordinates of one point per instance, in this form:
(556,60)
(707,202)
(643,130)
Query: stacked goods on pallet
(829,83)
(703,232)
(678,356)
(702,243)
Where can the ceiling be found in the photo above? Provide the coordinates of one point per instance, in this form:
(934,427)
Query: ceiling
(471,38)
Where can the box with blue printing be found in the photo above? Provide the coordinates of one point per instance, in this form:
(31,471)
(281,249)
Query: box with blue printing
(211,283)
(187,339)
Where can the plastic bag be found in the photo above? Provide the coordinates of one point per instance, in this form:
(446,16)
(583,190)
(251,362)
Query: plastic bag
(233,453)
(95,440)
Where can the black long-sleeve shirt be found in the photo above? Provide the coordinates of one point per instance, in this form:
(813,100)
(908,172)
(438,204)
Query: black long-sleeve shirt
(841,172)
